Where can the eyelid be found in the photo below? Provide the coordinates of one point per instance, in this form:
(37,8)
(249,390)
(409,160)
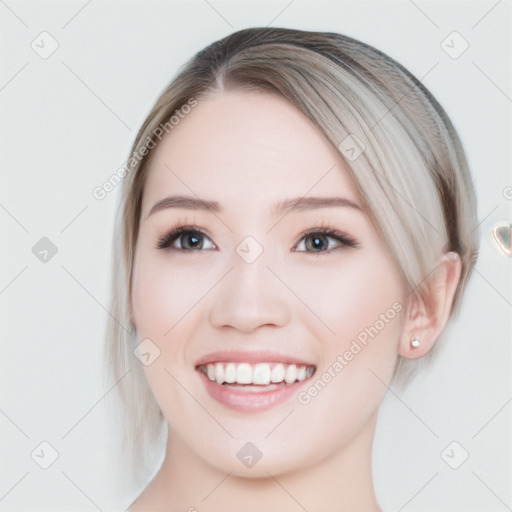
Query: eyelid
(341,237)
(172,234)
(344,240)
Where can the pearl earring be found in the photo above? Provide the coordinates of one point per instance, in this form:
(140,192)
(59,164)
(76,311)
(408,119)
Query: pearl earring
(415,342)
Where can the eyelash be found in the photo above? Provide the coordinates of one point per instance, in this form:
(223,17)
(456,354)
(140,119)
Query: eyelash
(340,237)
(174,233)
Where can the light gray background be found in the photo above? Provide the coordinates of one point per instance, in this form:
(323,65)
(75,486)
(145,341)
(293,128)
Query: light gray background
(67,123)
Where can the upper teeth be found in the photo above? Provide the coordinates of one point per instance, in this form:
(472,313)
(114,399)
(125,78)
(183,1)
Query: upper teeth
(259,374)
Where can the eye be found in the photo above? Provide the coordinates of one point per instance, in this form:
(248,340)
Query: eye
(323,240)
(185,239)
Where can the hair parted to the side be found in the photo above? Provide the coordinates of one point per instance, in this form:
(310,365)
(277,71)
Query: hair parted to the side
(412,175)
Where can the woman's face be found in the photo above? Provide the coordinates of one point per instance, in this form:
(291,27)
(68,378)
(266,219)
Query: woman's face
(280,275)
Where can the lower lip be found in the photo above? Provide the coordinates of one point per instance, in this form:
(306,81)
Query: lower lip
(249,401)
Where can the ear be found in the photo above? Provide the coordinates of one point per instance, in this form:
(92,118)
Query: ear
(427,317)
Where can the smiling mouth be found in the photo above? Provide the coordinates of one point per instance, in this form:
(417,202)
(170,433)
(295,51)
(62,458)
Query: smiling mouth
(257,376)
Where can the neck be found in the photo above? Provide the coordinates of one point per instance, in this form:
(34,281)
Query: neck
(342,481)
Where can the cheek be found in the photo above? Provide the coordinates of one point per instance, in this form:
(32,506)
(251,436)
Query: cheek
(349,294)
(358,319)
(362,303)
(163,294)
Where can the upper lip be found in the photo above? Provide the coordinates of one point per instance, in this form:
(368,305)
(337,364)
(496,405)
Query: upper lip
(251,357)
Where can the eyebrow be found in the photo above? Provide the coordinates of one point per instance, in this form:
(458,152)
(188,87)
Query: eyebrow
(281,208)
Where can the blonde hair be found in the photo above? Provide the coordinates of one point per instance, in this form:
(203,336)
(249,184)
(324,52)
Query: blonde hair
(412,172)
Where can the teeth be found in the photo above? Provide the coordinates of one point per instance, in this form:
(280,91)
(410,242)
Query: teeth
(230,373)
(219,373)
(277,373)
(260,374)
(243,374)
(291,374)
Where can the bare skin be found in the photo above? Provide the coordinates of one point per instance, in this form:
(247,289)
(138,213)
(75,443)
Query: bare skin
(306,296)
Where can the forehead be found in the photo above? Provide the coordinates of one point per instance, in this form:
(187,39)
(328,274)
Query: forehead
(247,150)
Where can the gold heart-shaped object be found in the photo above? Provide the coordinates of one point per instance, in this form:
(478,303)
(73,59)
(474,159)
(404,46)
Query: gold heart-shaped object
(503,235)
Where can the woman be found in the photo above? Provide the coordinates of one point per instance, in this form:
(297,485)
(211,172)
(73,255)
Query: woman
(296,230)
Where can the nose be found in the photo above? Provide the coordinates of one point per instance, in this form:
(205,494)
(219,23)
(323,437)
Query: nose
(250,296)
